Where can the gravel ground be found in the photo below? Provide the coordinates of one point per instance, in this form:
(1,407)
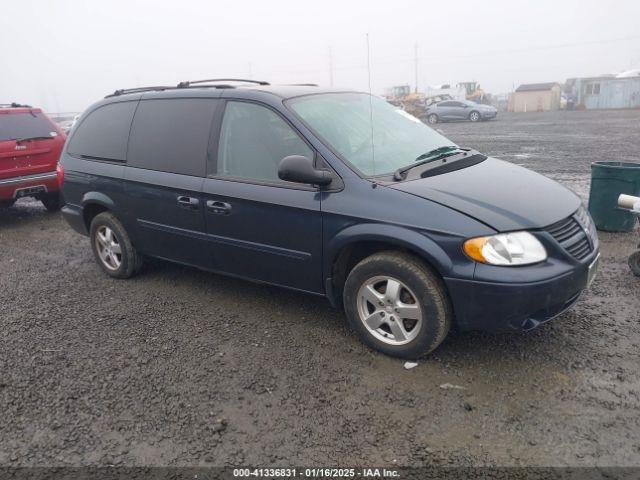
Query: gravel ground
(182,367)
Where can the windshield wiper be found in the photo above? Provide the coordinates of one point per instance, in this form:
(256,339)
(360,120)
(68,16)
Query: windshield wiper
(428,157)
(38,137)
(436,151)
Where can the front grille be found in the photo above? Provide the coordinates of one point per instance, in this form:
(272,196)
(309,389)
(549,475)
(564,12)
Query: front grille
(576,234)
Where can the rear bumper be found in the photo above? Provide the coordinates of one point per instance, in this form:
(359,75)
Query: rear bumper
(74,217)
(499,307)
(14,187)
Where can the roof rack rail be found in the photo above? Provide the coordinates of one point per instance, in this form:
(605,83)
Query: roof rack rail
(124,91)
(189,83)
(14,105)
(303,85)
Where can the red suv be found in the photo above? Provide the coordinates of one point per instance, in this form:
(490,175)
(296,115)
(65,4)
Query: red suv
(30,146)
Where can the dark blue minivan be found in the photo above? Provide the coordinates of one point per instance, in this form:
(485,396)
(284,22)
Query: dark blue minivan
(334,193)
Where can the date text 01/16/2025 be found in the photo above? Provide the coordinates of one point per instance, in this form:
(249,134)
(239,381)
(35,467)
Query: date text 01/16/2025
(286,473)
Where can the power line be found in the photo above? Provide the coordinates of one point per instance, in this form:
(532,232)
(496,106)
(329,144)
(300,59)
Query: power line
(468,55)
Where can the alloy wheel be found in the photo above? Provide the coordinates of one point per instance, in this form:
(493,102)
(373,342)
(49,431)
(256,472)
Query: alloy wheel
(389,310)
(109,249)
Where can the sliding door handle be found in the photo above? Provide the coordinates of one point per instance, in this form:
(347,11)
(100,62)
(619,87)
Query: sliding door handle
(188,202)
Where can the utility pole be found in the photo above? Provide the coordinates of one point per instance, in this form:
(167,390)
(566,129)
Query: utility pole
(415,60)
(330,67)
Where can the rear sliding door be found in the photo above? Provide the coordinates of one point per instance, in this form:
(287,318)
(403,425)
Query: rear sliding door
(166,162)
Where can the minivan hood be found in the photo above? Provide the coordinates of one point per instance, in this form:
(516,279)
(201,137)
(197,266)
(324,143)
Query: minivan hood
(500,194)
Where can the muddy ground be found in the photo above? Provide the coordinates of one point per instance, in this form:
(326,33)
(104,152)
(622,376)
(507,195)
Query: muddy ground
(183,367)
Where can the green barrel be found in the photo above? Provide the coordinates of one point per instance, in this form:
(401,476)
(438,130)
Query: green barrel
(608,181)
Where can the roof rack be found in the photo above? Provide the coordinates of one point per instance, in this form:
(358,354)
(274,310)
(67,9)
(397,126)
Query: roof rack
(123,91)
(303,85)
(189,83)
(14,105)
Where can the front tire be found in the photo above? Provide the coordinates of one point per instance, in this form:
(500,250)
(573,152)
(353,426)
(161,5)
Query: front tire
(634,263)
(112,247)
(432,119)
(474,116)
(397,305)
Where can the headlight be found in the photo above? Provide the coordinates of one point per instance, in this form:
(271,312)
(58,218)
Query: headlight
(516,248)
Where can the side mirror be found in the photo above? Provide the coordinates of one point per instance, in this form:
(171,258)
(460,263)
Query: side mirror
(300,169)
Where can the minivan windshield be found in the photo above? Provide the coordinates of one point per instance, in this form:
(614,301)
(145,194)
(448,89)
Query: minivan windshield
(25,125)
(346,122)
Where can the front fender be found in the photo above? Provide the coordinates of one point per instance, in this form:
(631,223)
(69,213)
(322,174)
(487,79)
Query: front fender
(403,237)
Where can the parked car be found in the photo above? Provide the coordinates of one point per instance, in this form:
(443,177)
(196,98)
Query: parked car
(337,194)
(30,146)
(452,110)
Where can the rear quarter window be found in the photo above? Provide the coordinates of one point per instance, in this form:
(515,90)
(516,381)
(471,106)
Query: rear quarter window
(172,135)
(104,132)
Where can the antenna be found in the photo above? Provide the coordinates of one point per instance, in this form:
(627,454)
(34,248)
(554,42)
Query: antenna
(415,59)
(373,153)
(330,67)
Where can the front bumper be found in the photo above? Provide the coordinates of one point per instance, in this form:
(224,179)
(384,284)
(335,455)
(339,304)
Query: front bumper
(499,307)
(488,115)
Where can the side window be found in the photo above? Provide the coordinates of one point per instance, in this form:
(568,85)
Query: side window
(253,141)
(172,135)
(104,132)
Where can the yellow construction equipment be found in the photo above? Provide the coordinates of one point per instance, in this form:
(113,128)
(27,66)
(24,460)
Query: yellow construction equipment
(473,91)
(411,102)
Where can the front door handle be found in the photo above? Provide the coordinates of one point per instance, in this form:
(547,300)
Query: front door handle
(221,208)
(188,202)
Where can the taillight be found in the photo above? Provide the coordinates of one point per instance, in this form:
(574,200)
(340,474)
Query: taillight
(60,175)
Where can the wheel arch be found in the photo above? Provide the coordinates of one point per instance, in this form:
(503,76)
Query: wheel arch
(360,241)
(94,203)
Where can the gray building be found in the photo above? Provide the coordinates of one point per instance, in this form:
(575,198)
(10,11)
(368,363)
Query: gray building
(603,92)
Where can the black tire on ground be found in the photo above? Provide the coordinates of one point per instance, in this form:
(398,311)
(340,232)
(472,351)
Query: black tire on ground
(634,263)
(474,116)
(432,119)
(7,203)
(429,290)
(51,201)
(130,259)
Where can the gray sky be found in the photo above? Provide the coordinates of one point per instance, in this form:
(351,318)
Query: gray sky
(63,55)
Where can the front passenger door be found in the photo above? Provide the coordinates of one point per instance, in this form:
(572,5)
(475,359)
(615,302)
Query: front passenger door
(261,227)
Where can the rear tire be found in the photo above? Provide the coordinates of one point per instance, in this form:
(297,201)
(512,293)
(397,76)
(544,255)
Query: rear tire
(397,305)
(112,247)
(432,119)
(474,116)
(634,263)
(52,202)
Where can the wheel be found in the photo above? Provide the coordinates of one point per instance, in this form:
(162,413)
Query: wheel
(397,305)
(7,203)
(112,247)
(51,202)
(634,263)
(432,119)
(474,116)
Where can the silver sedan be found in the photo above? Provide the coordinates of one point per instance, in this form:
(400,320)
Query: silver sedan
(451,110)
